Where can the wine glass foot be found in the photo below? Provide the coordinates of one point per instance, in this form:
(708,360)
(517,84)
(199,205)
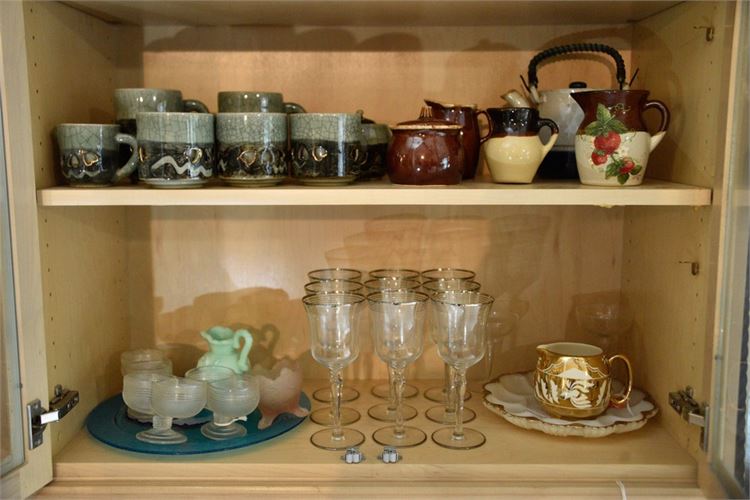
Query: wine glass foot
(437,394)
(323,416)
(169,436)
(384,413)
(327,440)
(222,432)
(441,416)
(411,436)
(324,394)
(446,438)
(383,391)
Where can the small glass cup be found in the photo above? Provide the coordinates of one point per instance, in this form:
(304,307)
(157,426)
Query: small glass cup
(210,374)
(136,393)
(230,400)
(172,398)
(335,273)
(144,361)
(404,274)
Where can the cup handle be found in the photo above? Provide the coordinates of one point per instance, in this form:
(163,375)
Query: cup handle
(489,125)
(194,105)
(665,116)
(293,107)
(132,162)
(546,122)
(622,400)
(242,360)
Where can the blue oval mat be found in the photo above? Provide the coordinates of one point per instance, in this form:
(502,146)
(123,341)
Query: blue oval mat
(109,423)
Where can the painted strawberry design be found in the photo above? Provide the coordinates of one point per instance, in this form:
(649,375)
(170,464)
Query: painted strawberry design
(608,142)
(627,166)
(599,157)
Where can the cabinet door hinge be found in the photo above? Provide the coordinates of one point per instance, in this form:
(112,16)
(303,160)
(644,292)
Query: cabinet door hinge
(37,417)
(691,411)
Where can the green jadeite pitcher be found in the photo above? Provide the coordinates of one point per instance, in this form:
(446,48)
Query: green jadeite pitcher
(224,348)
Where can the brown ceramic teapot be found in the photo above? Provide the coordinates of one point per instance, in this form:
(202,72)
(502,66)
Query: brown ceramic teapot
(426,151)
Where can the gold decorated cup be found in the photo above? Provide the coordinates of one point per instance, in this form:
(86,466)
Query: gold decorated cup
(574,380)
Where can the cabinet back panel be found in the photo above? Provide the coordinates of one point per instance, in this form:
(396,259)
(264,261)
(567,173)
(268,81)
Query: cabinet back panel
(191,268)
(386,71)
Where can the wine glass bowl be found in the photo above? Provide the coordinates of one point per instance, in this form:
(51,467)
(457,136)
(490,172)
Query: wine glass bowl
(404,274)
(328,286)
(442,273)
(230,400)
(335,273)
(137,392)
(606,320)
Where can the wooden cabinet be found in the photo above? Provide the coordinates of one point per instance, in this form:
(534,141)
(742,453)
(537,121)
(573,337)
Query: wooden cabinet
(130,267)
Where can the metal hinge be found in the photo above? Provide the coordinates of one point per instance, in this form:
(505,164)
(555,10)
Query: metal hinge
(691,411)
(37,417)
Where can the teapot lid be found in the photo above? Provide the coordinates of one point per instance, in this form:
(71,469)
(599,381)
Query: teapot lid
(427,122)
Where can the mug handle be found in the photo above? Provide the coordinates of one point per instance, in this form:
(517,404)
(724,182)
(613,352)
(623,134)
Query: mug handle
(622,400)
(132,162)
(489,125)
(665,116)
(293,107)
(242,359)
(546,122)
(194,105)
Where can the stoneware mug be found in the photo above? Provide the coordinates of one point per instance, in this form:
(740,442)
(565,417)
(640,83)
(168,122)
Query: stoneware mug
(252,148)
(574,380)
(512,148)
(245,101)
(377,136)
(89,154)
(130,102)
(326,148)
(175,150)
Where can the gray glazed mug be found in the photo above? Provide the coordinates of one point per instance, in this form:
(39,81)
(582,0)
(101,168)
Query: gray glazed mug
(175,150)
(89,153)
(242,101)
(130,102)
(252,148)
(327,148)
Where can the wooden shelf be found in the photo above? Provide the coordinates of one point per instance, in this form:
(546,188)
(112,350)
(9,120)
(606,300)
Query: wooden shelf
(510,455)
(383,193)
(367,12)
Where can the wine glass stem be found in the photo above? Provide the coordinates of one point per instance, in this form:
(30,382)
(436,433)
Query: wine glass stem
(488,355)
(446,380)
(451,389)
(336,385)
(398,384)
(162,423)
(391,390)
(458,430)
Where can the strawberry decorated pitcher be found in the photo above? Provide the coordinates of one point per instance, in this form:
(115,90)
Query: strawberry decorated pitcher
(612,144)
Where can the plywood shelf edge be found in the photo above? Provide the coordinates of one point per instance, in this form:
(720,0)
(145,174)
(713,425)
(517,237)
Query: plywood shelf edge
(651,193)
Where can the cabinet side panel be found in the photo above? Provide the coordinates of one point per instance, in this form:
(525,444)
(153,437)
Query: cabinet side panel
(71,67)
(194,267)
(673,340)
(680,67)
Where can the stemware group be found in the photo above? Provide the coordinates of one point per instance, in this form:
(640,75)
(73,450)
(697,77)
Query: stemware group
(397,315)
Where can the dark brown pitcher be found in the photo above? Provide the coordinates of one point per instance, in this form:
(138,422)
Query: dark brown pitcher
(466,116)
